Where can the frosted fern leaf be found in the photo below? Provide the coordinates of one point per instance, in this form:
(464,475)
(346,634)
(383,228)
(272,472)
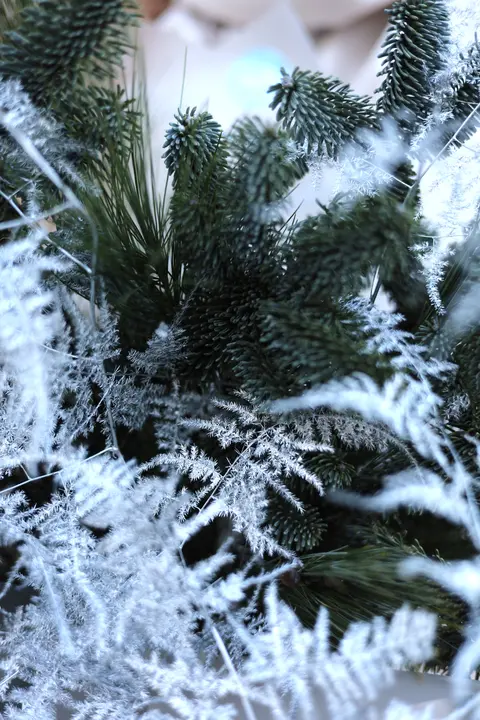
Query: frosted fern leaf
(299,664)
(267,452)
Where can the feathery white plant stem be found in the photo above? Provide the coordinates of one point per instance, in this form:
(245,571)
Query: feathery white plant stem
(73,203)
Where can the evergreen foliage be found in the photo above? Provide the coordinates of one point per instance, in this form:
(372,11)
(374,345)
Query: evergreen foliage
(321,113)
(414,53)
(88,37)
(191,143)
(189,439)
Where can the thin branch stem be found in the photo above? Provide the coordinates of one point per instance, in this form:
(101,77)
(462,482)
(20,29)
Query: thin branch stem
(421,175)
(56,472)
(33,219)
(246,704)
(29,220)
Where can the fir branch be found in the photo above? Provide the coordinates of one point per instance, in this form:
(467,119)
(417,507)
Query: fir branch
(190,145)
(267,164)
(414,52)
(296,531)
(58,43)
(321,113)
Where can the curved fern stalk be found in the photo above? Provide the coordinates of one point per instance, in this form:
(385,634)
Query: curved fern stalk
(72,202)
(407,406)
(461,100)
(28,417)
(266,454)
(462,130)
